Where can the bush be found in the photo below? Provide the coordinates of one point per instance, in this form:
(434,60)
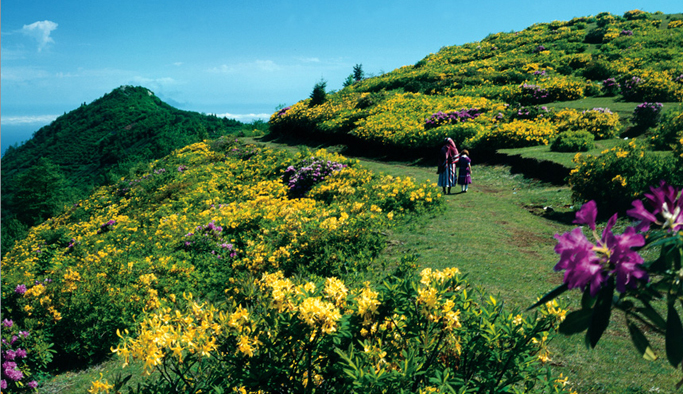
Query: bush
(410,334)
(669,131)
(573,141)
(617,176)
(647,115)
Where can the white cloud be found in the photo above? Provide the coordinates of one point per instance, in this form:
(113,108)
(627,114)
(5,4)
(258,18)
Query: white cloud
(267,65)
(222,69)
(310,59)
(40,31)
(26,120)
(178,64)
(261,65)
(244,117)
(21,74)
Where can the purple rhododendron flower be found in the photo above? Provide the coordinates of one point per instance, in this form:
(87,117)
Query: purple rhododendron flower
(667,203)
(7,323)
(14,374)
(3,384)
(21,289)
(591,264)
(21,353)
(32,384)
(587,214)
(9,355)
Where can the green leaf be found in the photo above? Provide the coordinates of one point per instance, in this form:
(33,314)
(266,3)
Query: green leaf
(587,301)
(653,316)
(640,341)
(576,321)
(552,294)
(601,314)
(674,337)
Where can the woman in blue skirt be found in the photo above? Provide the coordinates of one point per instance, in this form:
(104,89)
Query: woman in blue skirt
(448,158)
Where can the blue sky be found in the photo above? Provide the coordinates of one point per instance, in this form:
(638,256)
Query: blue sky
(234,57)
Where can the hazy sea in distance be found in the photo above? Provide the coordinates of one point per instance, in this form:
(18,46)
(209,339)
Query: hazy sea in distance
(18,124)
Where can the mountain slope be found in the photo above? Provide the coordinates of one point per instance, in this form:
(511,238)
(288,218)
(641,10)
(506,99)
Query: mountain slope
(96,143)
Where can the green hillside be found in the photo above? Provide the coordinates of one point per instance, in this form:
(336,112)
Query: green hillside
(577,81)
(92,145)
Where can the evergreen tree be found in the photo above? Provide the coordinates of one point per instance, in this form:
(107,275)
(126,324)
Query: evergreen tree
(318,95)
(39,193)
(358,73)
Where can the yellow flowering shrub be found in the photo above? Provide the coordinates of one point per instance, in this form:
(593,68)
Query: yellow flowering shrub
(303,335)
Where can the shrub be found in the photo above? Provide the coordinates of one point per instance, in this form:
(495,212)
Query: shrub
(301,177)
(669,130)
(573,141)
(647,114)
(610,87)
(410,334)
(617,175)
(442,118)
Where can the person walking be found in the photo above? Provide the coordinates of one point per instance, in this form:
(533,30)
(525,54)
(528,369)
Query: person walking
(448,159)
(465,166)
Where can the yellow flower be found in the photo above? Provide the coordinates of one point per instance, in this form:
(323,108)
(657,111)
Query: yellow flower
(100,387)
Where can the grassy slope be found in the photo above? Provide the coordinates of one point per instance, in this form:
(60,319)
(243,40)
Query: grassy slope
(495,235)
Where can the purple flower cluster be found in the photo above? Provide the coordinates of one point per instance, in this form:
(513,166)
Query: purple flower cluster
(106,226)
(647,114)
(609,82)
(160,171)
(442,118)
(20,289)
(182,168)
(10,356)
(539,73)
(534,93)
(539,48)
(301,178)
(667,209)
(628,86)
(626,33)
(590,264)
(531,112)
(599,109)
(209,238)
(679,79)
(283,111)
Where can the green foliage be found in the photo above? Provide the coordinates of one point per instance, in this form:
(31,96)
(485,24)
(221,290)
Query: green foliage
(573,141)
(318,95)
(410,334)
(616,176)
(40,192)
(358,73)
(669,131)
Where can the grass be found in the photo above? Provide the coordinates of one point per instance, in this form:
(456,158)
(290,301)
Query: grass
(543,152)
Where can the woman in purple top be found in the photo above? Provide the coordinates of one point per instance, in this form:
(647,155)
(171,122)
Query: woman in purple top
(465,175)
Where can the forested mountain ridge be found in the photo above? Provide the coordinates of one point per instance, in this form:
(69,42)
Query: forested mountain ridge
(94,144)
